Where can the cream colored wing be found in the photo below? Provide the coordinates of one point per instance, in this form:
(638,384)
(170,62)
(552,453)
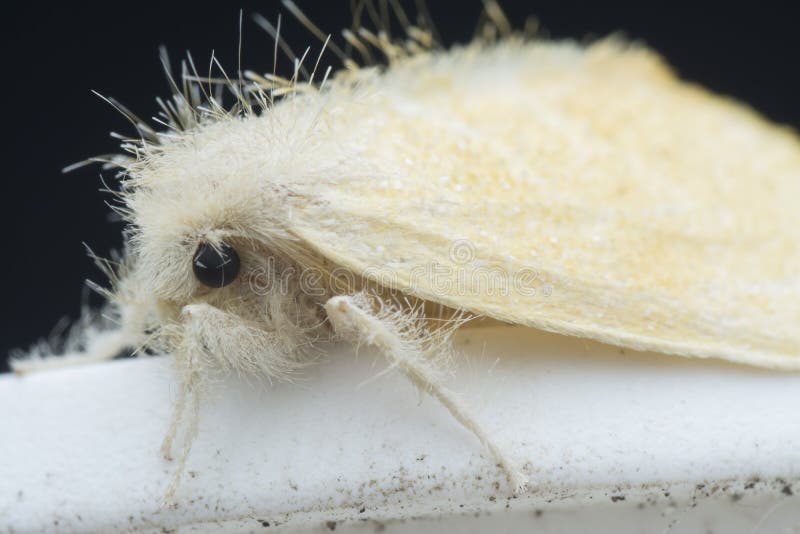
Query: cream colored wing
(617,202)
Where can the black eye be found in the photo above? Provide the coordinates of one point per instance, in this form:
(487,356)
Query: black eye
(215,267)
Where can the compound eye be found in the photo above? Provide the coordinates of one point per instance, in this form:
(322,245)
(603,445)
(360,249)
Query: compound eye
(215,267)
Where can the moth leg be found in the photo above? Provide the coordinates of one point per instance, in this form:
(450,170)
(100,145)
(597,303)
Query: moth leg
(192,373)
(175,421)
(352,316)
(210,340)
(191,384)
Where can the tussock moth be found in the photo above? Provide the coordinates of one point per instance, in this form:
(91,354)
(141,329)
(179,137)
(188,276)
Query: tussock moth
(578,189)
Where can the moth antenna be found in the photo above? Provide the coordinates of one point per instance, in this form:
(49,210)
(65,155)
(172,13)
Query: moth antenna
(310,26)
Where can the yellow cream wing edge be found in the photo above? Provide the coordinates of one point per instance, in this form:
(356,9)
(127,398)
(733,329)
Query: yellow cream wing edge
(641,210)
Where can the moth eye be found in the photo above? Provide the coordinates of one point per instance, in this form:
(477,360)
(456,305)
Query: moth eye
(215,267)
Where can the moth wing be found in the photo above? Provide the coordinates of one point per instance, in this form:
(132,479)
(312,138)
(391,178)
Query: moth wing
(584,191)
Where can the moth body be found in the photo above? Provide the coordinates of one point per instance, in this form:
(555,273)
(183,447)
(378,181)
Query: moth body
(584,190)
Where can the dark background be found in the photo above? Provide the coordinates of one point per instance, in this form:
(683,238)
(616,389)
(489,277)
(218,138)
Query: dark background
(52,57)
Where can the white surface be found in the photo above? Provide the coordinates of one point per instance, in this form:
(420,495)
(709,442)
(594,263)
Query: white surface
(689,443)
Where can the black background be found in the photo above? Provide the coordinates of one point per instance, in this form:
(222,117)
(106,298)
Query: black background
(52,57)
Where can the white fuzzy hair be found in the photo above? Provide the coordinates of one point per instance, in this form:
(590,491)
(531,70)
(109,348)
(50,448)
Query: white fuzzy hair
(232,175)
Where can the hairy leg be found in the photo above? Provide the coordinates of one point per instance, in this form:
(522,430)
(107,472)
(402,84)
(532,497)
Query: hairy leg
(190,388)
(192,369)
(397,335)
(211,341)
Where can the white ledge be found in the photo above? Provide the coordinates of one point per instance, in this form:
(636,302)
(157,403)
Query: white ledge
(612,439)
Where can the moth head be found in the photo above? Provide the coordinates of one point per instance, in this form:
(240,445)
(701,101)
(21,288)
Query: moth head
(200,217)
(190,248)
(211,204)
(210,213)
(223,288)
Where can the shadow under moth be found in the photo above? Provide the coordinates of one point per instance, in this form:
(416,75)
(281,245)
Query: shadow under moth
(582,189)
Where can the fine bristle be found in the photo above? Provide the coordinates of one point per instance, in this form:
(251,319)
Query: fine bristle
(197,98)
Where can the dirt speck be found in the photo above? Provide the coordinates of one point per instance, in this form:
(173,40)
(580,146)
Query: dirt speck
(617,498)
(331,525)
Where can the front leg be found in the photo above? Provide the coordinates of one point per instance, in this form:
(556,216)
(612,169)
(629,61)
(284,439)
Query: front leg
(210,341)
(397,335)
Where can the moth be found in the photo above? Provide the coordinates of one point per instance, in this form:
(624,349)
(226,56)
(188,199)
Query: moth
(582,189)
